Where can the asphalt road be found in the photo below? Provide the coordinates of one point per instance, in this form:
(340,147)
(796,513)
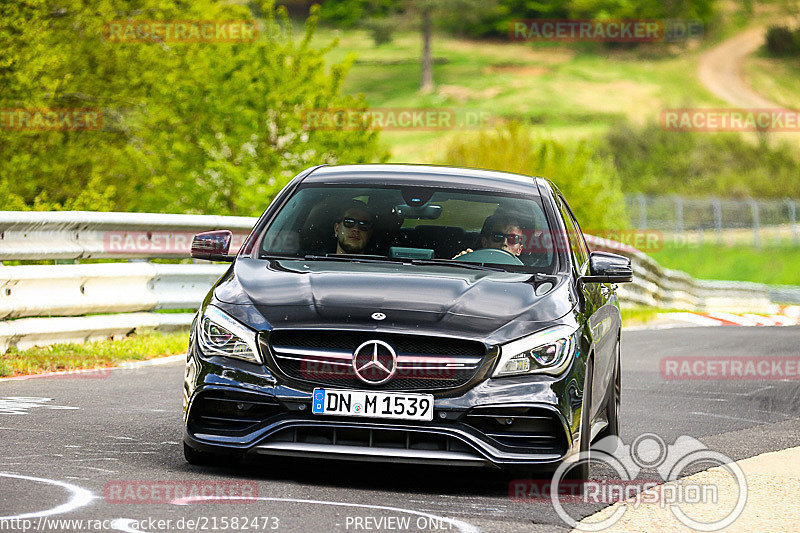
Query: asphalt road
(97,432)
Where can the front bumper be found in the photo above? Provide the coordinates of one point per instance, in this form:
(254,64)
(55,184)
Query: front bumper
(237,407)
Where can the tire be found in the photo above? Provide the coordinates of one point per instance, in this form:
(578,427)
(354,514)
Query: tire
(581,471)
(613,402)
(198,458)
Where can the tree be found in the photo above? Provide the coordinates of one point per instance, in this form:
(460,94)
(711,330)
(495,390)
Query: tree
(187,127)
(589,180)
(428,11)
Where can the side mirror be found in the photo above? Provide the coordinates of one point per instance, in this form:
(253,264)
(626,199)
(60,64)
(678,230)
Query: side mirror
(605,267)
(212,245)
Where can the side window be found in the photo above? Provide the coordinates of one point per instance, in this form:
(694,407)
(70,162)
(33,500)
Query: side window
(576,242)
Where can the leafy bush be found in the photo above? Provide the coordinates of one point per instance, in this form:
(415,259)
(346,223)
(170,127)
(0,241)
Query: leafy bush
(590,183)
(495,17)
(381,30)
(348,13)
(651,160)
(783,41)
(187,127)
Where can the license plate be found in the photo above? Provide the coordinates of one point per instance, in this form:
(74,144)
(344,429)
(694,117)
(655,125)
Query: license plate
(372,404)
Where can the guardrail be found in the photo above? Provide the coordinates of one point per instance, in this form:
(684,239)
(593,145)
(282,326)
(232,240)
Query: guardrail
(655,286)
(44,235)
(44,304)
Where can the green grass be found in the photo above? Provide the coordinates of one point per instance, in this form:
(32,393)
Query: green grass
(776,79)
(98,354)
(566,92)
(633,316)
(637,315)
(774,265)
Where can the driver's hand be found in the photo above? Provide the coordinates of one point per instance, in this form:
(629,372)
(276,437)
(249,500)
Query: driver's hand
(468,250)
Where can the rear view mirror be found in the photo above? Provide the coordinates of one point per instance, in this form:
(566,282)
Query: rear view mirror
(428,212)
(212,245)
(605,267)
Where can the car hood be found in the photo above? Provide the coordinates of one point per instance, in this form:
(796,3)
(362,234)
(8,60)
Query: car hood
(480,304)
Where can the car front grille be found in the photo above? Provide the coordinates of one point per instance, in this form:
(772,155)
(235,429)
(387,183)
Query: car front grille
(325,357)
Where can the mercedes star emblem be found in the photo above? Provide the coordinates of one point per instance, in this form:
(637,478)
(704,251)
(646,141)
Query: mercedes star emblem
(374,362)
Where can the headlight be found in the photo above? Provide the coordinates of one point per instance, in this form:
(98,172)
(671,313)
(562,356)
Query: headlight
(545,352)
(220,334)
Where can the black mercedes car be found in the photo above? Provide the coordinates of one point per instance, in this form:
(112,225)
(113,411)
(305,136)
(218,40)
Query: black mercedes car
(407,313)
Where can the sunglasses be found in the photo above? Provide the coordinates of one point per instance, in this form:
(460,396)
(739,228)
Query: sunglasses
(363,225)
(512,238)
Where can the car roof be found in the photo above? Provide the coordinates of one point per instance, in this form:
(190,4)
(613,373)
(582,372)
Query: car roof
(425,176)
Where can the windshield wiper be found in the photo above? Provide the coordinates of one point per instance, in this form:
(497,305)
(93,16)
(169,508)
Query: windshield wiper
(450,262)
(353,258)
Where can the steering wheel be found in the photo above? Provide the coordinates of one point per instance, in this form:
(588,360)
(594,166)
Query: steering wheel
(490,255)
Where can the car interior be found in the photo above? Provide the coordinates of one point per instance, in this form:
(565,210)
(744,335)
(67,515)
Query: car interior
(406,225)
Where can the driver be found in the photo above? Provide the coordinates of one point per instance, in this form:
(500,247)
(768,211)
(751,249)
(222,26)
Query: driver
(353,229)
(501,232)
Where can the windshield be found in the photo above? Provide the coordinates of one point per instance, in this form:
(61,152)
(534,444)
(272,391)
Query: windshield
(412,225)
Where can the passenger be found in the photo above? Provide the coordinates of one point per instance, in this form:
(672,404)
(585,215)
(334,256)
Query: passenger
(501,232)
(354,229)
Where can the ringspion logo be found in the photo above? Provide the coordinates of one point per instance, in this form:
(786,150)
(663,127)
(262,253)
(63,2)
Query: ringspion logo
(699,503)
(180,31)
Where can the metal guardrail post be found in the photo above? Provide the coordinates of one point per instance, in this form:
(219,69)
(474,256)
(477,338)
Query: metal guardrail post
(642,211)
(678,214)
(756,225)
(717,205)
(792,219)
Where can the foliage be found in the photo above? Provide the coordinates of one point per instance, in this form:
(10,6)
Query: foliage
(381,30)
(348,13)
(651,160)
(493,17)
(783,41)
(589,183)
(187,127)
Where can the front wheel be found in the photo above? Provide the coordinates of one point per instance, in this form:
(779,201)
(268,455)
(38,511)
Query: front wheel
(613,402)
(580,471)
(199,458)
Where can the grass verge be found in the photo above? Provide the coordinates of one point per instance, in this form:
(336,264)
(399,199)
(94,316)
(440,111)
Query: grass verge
(98,354)
(776,79)
(568,92)
(638,315)
(775,265)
